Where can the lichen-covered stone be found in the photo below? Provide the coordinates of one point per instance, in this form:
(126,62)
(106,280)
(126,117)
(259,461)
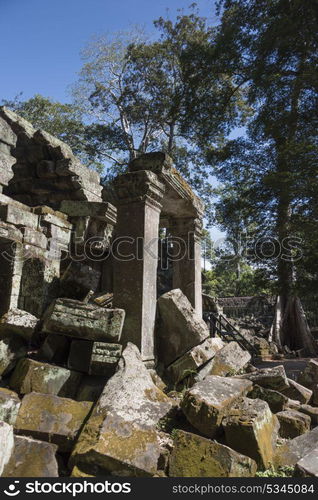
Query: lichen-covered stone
(230,360)
(251,429)
(308,465)
(292,423)
(94,358)
(51,418)
(34,376)
(295,449)
(298,392)
(31,458)
(18,322)
(209,401)
(6,444)
(193,359)
(309,377)
(9,405)
(271,378)
(181,328)
(12,348)
(196,456)
(275,400)
(84,321)
(121,435)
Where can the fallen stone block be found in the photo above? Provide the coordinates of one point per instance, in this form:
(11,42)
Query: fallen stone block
(311,411)
(275,400)
(309,377)
(252,429)
(94,358)
(308,465)
(315,395)
(35,376)
(196,456)
(6,444)
(270,378)
(31,458)
(121,434)
(84,321)
(78,280)
(91,388)
(230,360)
(9,405)
(209,401)
(181,328)
(292,423)
(51,418)
(18,322)
(12,348)
(193,359)
(55,349)
(297,391)
(295,449)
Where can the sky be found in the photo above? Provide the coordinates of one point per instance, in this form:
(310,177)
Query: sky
(41,40)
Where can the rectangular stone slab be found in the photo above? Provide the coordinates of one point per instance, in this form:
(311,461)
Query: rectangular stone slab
(51,418)
(84,321)
(94,358)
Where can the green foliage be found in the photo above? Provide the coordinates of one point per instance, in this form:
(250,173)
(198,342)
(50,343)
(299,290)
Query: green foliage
(282,471)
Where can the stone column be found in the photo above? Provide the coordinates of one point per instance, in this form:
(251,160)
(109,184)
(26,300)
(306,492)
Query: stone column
(135,248)
(187,232)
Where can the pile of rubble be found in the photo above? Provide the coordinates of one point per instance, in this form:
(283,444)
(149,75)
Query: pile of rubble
(98,375)
(82,405)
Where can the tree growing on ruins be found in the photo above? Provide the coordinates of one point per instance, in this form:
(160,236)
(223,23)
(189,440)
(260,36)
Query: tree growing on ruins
(270,50)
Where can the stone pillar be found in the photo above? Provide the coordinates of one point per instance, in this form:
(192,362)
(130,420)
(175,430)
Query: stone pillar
(187,232)
(138,198)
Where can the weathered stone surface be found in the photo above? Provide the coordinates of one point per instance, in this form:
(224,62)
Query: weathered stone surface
(181,328)
(94,358)
(78,280)
(34,376)
(315,395)
(295,449)
(6,444)
(311,411)
(251,429)
(55,349)
(309,377)
(120,435)
(86,321)
(12,348)
(18,322)
(193,359)
(308,465)
(297,391)
(230,360)
(292,423)
(51,418)
(9,406)
(14,215)
(90,388)
(31,458)
(209,401)
(196,456)
(275,400)
(270,378)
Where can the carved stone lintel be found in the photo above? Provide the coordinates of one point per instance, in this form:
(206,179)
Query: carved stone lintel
(141,186)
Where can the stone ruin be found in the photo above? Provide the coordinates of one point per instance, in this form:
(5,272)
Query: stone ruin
(99,375)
